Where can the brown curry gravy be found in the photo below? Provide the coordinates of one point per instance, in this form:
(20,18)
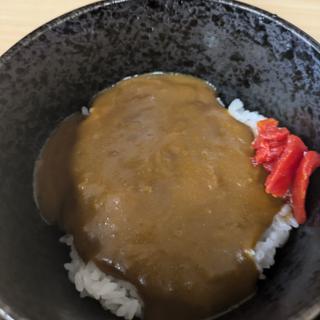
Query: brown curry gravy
(157,188)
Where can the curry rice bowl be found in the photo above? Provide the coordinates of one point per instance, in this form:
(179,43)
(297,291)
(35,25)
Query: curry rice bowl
(122,298)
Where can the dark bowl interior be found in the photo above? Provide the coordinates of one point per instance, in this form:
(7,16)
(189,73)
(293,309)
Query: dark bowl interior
(246,53)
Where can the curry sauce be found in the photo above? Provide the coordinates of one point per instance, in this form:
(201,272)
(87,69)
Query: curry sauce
(157,188)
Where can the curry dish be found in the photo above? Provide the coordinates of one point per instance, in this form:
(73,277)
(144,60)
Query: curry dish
(157,188)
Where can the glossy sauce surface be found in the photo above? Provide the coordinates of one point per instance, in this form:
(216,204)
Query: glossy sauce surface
(157,187)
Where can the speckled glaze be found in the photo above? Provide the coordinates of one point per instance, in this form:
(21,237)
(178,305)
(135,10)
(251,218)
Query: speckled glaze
(273,67)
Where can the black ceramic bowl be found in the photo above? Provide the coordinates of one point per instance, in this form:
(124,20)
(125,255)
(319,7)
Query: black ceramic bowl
(271,65)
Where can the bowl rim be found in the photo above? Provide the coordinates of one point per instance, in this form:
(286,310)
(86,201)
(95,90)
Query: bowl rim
(309,313)
(24,41)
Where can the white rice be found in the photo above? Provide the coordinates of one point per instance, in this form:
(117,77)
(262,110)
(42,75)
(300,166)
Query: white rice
(122,299)
(249,118)
(274,237)
(85,111)
(119,297)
